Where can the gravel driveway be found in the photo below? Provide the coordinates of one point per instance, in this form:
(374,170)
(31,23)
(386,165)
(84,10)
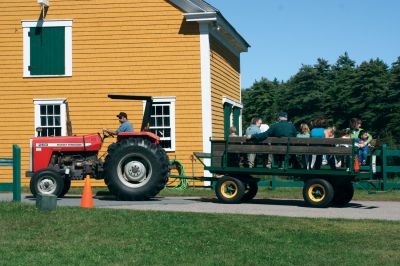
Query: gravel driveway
(380,210)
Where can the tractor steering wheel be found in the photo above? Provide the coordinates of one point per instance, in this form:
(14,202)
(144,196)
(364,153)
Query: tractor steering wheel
(107,134)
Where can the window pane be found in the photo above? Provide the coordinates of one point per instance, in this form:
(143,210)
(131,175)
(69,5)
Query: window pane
(43,109)
(167,132)
(57,110)
(158,110)
(166,109)
(43,121)
(165,144)
(159,121)
(44,132)
(57,120)
(58,131)
(50,121)
(50,131)
(166,121)
(160,133)
(50,109)
(153,121)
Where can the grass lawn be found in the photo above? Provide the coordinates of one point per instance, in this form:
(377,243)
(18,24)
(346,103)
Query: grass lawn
(75,236)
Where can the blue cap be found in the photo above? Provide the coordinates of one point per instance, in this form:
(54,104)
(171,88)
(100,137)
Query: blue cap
(282,114)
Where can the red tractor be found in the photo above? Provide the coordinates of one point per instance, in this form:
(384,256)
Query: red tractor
(135,168)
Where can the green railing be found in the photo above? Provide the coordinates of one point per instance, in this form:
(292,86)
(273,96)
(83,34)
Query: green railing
(15,162)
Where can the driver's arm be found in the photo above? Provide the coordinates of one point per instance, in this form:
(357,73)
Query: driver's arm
(109,131)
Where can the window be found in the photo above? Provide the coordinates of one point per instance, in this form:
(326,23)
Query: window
(162,122)
(47,48)
(50,117)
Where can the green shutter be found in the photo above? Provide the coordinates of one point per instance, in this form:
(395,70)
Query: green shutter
(236,115)
(47,51)
(227,119)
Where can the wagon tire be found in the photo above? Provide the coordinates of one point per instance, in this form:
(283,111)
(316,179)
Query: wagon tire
(136,169)
(318,192)
(251,189)
(343,194)
(229,189)
(47,182)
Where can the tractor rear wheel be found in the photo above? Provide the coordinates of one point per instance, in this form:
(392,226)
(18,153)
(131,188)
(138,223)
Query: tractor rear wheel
(48,182)
(318,192)
(136,169)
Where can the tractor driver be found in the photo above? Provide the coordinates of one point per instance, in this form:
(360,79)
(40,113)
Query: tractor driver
(125,126)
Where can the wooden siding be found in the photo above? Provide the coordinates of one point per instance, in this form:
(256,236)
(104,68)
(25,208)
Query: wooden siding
(123,47)
(225,81)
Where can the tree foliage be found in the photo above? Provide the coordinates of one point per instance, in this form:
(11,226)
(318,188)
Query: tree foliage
(338,92)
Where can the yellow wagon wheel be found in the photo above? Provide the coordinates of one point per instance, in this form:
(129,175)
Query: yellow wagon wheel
(318,192)
(229,189)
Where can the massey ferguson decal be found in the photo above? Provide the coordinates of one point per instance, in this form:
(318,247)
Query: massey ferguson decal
(45,145)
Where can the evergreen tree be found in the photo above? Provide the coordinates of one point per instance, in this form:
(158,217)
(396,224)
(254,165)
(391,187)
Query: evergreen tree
(343,74)
(261,101)
(370,94)
(393,126)
(337,92)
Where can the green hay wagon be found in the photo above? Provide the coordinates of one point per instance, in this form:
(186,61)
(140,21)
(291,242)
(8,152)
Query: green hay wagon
(299,160)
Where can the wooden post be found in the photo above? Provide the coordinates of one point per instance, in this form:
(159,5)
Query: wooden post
(16,173)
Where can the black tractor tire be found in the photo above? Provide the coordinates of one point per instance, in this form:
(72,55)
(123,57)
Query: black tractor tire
(344,193)
(136,169)
(229,189)
(67,186)
(318,192)
(251,189)
(47,182)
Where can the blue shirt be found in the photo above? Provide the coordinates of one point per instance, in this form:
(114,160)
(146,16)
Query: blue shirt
(253,129)
(124,127)
(318,132)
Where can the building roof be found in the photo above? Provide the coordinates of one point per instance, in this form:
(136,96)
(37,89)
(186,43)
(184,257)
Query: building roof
(200,10)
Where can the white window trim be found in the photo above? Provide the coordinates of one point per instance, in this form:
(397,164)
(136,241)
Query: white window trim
(63,112)
(27,24)
(171,100)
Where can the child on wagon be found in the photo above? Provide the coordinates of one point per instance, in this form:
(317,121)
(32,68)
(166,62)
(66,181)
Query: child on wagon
(362,143)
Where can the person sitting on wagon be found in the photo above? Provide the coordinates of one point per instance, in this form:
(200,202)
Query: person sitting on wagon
(361,143)
(281,129)
(254,128)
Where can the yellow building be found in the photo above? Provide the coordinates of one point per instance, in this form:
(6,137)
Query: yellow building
(59,63)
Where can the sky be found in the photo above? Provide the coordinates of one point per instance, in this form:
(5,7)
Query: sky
(286,34)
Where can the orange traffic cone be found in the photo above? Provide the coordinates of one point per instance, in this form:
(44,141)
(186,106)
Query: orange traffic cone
(356,164)
(87,199)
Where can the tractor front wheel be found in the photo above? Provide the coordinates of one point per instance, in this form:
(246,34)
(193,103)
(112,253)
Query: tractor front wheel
(47,182)
(136,169)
